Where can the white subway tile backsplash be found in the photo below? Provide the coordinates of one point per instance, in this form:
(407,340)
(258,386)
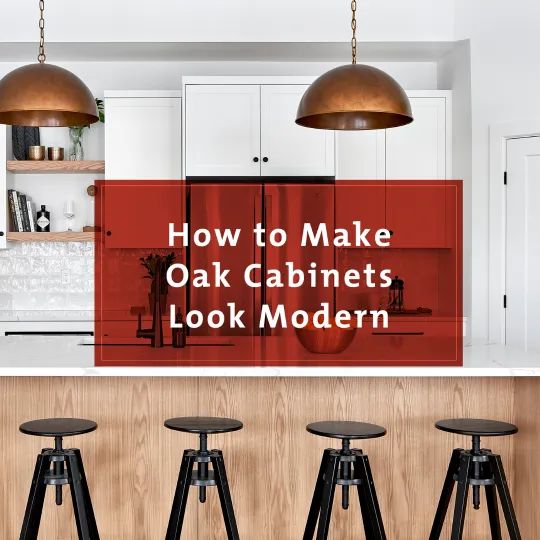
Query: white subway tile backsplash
(47,276)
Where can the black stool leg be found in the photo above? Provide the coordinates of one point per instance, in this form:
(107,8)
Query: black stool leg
(368,497)
(34,506)
(92,525)
(82,518)
(493,512)
(176,520)
(315,507)
(327,499)
(446,496)
(224,494)
(465,466)
(504,494)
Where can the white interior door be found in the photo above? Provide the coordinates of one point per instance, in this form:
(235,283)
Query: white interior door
(289,149)
(523,244)
(143,138)
(222,128)
(418,151)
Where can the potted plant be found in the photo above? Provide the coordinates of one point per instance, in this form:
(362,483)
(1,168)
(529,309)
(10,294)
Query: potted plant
(76,148)
(150,263)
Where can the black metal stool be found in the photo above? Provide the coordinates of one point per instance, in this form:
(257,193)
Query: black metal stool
(203,477)
(337,469)
(58,467)
(476,467)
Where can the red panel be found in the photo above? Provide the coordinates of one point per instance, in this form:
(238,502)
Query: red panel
(416,213)
(425,252)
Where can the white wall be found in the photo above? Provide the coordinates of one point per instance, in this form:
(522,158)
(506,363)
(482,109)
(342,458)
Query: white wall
(228,20)
(454,73)
(505,89)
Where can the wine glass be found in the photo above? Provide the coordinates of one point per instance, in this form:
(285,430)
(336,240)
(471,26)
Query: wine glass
(69,213)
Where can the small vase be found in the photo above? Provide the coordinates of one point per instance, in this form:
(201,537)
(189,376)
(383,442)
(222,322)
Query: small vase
(76,148)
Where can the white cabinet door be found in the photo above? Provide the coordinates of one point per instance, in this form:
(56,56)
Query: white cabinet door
(418,151)
(3,189)
(286,148)
(143,138)
(222,130)
(360,155)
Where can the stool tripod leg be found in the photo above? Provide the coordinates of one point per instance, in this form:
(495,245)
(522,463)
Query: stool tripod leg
(446,496)
(465,466)
(368,500)
(174,529)
(79,501)
(92,525)
(34,506)
(504,494)
(315,507)
(493,512)
(327,499)
(224,495)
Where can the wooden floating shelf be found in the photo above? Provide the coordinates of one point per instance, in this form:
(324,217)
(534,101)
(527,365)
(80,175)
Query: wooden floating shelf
(57,167)
(66,236)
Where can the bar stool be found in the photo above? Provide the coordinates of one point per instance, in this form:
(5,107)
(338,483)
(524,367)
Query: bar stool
(476,467)
(203,477)
(337,469)
(58,467)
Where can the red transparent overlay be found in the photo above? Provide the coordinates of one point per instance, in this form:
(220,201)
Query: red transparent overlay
(424,255)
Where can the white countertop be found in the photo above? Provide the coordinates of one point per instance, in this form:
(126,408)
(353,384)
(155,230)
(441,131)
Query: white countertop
(63,356)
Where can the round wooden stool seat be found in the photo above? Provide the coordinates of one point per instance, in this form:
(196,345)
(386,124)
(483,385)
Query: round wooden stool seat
(346,430)
(203,424)
(58,427)
(474,427)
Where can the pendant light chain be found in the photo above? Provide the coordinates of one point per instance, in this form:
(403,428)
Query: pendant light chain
(353,26)
(41,56)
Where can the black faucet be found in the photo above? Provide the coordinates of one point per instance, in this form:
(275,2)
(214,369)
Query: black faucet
(155,334)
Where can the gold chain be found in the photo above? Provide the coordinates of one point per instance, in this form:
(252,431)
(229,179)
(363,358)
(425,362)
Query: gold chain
(353,26)
(41,56)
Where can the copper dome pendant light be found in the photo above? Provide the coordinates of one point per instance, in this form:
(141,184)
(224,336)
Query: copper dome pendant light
(354,97)
(45,95)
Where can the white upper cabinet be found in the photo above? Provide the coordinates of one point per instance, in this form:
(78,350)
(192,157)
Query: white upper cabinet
(286,148)
(222,130)
(143,135)
(246,127)
(360,155)
(419,150)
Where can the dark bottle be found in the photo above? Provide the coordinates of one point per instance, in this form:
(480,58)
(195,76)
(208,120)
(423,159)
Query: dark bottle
(43,221)
(179,334)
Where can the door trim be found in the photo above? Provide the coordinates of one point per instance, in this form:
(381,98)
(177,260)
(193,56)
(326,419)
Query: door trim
(498,137)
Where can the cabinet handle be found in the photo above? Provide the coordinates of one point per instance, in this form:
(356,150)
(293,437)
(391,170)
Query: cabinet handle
(265,159)
(391,233)
(109,233)
(1,233)
(397,333)
(256,160)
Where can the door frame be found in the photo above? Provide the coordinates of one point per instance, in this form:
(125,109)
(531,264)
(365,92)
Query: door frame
(498,137)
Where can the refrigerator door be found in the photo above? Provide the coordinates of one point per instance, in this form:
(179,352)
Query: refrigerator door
(289,206)
(219,206)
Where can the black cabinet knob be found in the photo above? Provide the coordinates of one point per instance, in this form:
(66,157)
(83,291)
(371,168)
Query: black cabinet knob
(109,233)
(1,233)
(256,160)
(265,159)
(391,233)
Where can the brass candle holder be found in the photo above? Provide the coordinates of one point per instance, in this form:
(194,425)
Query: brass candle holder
(36,153)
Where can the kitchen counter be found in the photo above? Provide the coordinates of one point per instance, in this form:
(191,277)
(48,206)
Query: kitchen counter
(66,356)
